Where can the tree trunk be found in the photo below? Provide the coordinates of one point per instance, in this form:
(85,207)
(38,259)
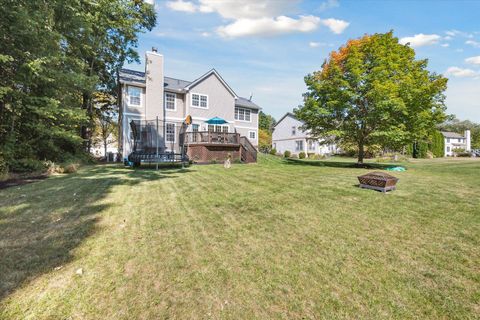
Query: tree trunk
(361,152)
(105,148)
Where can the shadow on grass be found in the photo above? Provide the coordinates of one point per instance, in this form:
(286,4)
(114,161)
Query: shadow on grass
(340,164)
(42,223)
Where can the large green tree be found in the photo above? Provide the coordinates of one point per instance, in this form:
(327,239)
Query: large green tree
(373,91)
(54,55)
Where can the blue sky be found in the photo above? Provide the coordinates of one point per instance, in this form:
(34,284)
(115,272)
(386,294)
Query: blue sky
(267,47)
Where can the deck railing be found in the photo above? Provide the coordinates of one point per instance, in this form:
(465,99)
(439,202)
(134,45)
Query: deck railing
(212,137)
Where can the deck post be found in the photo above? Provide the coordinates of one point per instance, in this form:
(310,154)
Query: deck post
(156,157)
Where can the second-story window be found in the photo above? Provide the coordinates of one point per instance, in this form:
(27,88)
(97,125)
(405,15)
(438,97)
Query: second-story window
(242,114)
(199,100)
(134,95)
(294,130)
(170,101)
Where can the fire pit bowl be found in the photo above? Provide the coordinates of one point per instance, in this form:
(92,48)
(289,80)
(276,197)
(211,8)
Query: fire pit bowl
(379,181)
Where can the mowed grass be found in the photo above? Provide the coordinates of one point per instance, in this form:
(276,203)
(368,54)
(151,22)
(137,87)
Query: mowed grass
(273,240)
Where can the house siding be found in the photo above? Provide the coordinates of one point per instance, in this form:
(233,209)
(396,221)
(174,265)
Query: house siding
(221,103)
(283,140)
(220,100)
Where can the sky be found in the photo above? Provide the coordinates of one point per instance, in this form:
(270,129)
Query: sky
(265,48)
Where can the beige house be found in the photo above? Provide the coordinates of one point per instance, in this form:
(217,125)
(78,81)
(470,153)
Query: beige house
(146,96)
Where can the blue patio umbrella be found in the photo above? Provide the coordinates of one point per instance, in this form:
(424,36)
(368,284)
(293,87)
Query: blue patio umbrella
(216,120)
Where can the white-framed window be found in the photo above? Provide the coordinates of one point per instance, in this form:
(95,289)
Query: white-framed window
(199,100)
(195,129)
(294,130)
(242,114)
(170,132)
(170,103)
(311,145)
(252,135)
(217,128)
(448,149)
(134,96)
(299,145)
(448,140)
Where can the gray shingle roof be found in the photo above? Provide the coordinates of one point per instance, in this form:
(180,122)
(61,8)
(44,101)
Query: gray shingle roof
(244,102)
(175,84)
(454,135)
(127,75)
(288,114)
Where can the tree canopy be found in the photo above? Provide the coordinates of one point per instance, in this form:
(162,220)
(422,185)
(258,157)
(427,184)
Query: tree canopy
(54,55)
(372,91)
(265,128)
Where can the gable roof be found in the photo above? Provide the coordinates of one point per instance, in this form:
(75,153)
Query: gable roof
(205,76)
(448,134)
(174,84)
(288,114)
(244,102)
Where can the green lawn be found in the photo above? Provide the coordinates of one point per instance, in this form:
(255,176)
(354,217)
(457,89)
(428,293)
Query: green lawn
(272,240)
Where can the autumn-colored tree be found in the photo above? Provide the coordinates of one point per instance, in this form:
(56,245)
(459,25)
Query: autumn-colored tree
(264,140)
(373,91)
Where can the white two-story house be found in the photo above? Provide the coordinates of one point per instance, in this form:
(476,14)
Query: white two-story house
(289,136)
(455,141)
(223,124)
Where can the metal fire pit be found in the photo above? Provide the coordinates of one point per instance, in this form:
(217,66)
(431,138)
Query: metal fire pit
(379,181)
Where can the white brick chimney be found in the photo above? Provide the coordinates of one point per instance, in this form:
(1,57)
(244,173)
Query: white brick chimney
(467,140)
(154,85)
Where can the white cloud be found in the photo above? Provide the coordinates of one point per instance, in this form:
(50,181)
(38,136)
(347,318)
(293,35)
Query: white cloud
(335,25)
(206,34)
(447,38)
(314,44)
(259,17)
(445,45)
(420,40)
(473,43)
(453,33)
(473,60)
(461,73)
(328,5)
(180,5)
(268,26)
(248,9)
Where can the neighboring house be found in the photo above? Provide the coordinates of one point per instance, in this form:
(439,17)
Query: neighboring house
(288,136)
(147,95)
(98,148)
(457,141)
